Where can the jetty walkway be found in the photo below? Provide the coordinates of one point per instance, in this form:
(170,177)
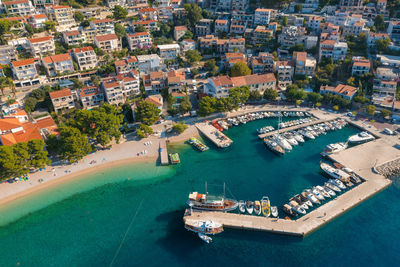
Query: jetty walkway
(217,137)
(163,152)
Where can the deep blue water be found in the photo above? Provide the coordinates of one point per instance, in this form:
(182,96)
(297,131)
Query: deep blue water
(132,215)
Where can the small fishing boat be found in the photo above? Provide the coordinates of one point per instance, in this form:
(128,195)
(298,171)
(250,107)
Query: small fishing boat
(249,207)
(205,238)
(361,138)
(257,207)
(297,208)
(332,186)
(265,206)
(274,211)
(322,191)
(242,206)
(288,210)
(174,158)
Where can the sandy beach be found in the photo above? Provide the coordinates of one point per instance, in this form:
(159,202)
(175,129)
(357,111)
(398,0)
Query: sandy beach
(127,152)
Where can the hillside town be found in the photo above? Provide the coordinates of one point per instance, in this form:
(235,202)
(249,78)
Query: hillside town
(76,76)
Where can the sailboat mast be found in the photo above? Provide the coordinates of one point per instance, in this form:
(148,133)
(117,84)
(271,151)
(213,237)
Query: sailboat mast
(206,188)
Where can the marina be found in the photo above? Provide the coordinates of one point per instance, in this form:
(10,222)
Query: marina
(214,135)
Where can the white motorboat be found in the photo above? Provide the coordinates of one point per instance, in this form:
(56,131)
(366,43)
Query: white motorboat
(334,148)
(332,186)
(333,172)
(298,137)
(242,206)
(282,142)
(317,194)
(323,191)
(307,134)
(290,138)
(249,207)
(297,198)
(337,182)
(274,211)
(296,207)
(361,138)
(329,191)
(310,196)
(205,238)
(305,199)
(257,207)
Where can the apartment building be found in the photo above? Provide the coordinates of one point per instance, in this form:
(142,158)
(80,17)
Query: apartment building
(130,83)
(230,59)
(291,36)
(148,13)
(285,72)
(354,26)
(91,97)
(44,3)
(314,23)
(85,57)
(332,49)
(112,91)
(62,100)
(108,42)
(63,16)
(139,40)
(168,51)
(19,7)
(221,25)
(179,32)
(37,20)
(58,64)
(221,85)
(103,26)
(25,72)
(125,65)
(305,65)
(385,82)
(259,35)
(73,38)
(41,46)
(345,91)
(393,30)
(176,81)
(262,16)
(262,63)
(187,44)
(154,82)
(149,25)
(372,37)
(346,3)
(7,54)
(147,63)
(360,66)
(203,27)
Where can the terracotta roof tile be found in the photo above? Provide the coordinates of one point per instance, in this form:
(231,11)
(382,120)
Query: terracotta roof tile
(60,93)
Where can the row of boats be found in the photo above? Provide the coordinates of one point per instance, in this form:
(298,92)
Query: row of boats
(341,178)
(265,129)
(282,143)
(287,124)
(359,138)
(258,207)
(197,144)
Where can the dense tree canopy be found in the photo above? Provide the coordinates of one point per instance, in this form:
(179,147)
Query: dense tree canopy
(240,69)
(270,94)
(120,30)
(120,12)
(239,95)
(147,112)
(180,127)
(193,56)
(194,13)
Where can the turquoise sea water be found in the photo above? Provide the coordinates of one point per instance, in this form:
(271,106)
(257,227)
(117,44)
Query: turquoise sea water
(132,215)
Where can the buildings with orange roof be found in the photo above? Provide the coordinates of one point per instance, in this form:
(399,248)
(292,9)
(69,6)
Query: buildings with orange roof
(125,65)
(360,66)
(62,100)
(230,59)
(85,57)
(19,114)
(221,25)
(25,71)
(285,72)
(91,96)
(305,64)
(58,64)
(187,44)
(46,126)
(393,30)
(345,91)
(37,20)
(139,40)
(203,27)
(262,16)
(154,82)
(222,45)
(41,46)
(108,42)
(102,26)
(221,85)
(262,63)
(148,13)
(332,49)
(43,3)
(314,23)
(19,7)
(63,16)
(117,89)
(7,54)
(73,38)
(176,81)
(179,32)
(12,131)
(149,25)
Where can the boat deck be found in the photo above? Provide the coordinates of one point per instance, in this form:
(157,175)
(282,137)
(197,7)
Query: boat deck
(217,137)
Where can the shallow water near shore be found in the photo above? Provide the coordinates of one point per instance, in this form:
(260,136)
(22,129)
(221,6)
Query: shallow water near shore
(139,207)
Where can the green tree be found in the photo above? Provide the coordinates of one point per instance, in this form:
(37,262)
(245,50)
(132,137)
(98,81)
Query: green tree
(314,97)
(206,106)
(284,21)
(79,16)
(270,94)
(29,29)
(293,93)
(193,56)
(5,26)
(382,45)
(298,8)
(180,127)
(78,84)
(8,162)
(240,69)
(144,130)
(147,112)
(255,95)
(140,28)
(194,13)
(297,48)
(49,25)
(30,104)
(185,106)
(188,35)
(120,30)
(21,153)
(239,95)
(318,104)
(385,113)
(72,144)
(38,156)
(370,109)
(379,22)
(335,107)
(210,64)
(119,12)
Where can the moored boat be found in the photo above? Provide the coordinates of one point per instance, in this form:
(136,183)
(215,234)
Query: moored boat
(334,148)
(210,202)
(174,158)
(288,210)
(205,238)
(249,207)
(274,211)
(333,187)
(257,207)
(204,226)
(273,146)
(297,208)
(361,138)
(337,182)
(333,172)
(322,191)
(242,206)
(329,191)
(265,206)
(310,196)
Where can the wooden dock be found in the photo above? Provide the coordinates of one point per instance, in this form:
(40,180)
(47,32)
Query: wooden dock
(218,138)
(163,152)
(262,136)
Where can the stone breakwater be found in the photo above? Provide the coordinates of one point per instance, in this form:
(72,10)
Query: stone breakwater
(389,169)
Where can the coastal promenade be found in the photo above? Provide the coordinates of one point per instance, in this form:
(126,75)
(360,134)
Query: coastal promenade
(215,136)
(379,151)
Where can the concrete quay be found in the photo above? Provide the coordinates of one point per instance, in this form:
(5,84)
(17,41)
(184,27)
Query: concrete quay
(163,152)
(218,138)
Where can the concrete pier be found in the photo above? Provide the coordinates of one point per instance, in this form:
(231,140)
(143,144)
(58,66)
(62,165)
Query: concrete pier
(218,138)
(163,152)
